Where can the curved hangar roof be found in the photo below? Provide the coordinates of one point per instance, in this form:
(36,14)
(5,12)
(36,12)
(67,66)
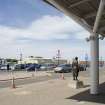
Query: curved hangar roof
(82,11)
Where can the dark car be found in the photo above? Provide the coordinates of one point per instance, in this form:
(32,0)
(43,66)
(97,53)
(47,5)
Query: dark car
(82,67)
(63,68)
(32,67)
(19,66)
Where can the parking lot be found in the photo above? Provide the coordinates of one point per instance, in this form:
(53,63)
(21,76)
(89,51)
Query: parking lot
(23,77)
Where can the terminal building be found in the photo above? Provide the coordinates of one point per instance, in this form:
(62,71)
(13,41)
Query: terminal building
(41,60)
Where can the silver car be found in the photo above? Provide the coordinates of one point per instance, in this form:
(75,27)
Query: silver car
(63,68)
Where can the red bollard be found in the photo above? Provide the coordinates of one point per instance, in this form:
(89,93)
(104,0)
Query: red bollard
(62,76)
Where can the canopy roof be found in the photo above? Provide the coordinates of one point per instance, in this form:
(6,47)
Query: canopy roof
(82,11)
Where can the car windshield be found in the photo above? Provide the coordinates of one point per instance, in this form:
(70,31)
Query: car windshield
(63,65)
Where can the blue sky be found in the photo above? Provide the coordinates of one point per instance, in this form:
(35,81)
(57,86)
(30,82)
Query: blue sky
(35,28)
(20,13)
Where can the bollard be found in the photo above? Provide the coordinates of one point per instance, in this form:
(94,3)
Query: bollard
(13,80)
(49,75)
(13,83)
(62,76)
(32,74)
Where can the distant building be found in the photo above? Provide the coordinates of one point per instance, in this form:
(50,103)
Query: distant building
(61,61)
(101,63)
(41,60)
(83,62)
(87,63)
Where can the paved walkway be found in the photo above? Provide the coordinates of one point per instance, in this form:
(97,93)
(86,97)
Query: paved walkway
(4,76)
(53,92)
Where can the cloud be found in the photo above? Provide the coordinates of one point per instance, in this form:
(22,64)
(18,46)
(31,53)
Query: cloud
(42,30)
(82,34)
(45,28)
(54,27)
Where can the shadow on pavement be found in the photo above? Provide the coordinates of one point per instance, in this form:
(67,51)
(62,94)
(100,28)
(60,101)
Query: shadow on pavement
(86,96)
(85,86)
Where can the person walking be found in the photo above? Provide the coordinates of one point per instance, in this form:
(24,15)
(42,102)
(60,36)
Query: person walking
(75,68)
(8,67)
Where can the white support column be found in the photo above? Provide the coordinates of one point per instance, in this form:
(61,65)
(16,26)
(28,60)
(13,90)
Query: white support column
(94,72)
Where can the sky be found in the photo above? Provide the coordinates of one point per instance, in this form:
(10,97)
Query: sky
(34,28)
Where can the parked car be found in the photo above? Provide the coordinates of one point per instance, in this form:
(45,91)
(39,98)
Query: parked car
(3,67)
(7,67)
(63,68)
(11,66)
(32,67)
(82,67)
(19,66)
(47,67)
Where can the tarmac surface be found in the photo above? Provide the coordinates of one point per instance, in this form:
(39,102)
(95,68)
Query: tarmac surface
(54,92)
(8,75)
(22,77)
(28,78)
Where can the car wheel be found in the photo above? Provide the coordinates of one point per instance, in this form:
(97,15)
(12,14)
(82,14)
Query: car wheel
(55,71)
(61,71)
(67,71)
